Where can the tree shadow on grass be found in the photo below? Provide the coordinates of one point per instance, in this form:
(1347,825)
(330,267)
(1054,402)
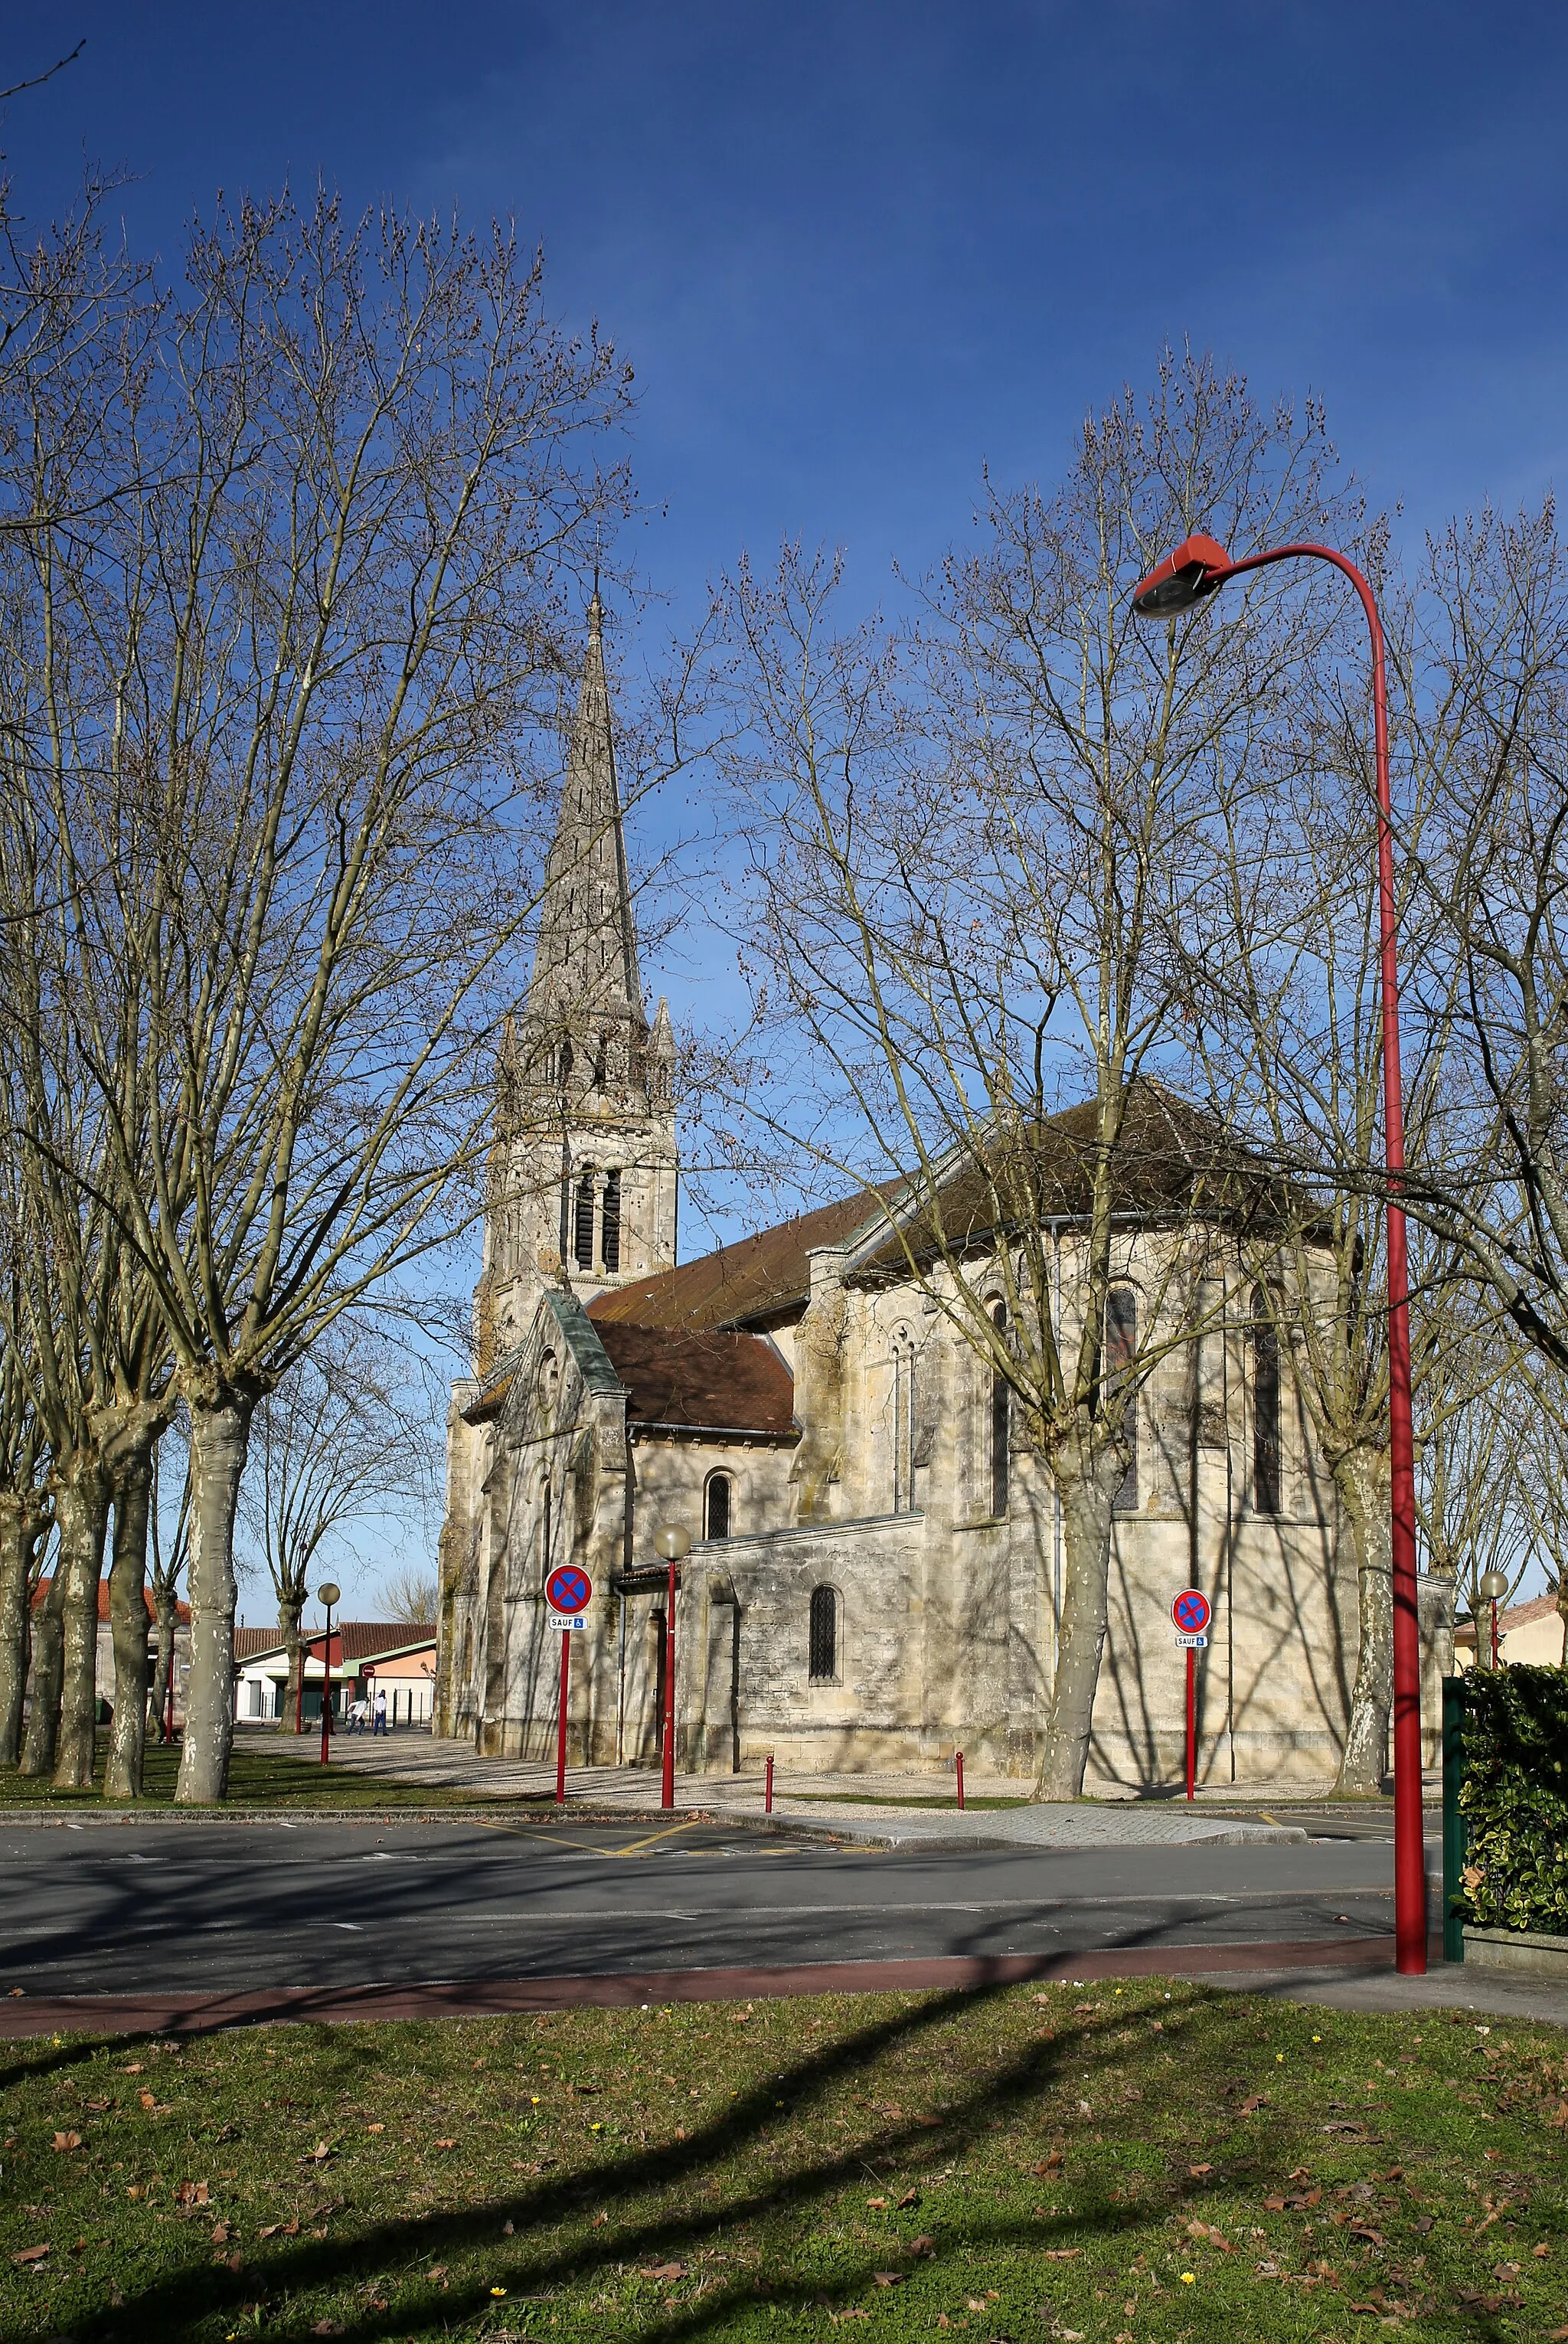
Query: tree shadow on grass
(168,2305)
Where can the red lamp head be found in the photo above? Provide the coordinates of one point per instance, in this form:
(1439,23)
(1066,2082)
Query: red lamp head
(1199,567)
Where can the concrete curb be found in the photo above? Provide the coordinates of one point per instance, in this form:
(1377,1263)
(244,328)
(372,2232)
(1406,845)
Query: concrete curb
(502,1997)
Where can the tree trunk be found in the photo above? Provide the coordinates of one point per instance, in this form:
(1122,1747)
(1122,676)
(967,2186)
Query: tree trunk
(43,1679)
(1363,1480)
(82,1516)
(128,1623)
(1089,1470)
(22,1524)
(166,1611)
(219,1436)
(288,1617)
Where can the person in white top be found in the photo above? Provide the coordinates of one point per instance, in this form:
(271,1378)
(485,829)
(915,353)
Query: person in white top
(380,1724)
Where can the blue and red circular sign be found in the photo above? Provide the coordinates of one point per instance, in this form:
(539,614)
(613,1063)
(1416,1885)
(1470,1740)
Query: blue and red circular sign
(1192,1612)
(568,1589)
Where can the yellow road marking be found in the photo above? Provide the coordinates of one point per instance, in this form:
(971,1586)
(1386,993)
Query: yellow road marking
(652,1840)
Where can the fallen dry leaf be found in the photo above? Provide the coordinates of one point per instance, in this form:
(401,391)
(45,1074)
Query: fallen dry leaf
(662,2270)
(322,2150)
(909,2197)
(1061,2254)
(135,2068)
(888,2278)
(924,2246)
(877,2202)
(149,2099)
(31,2255)
(445,2144)
(66,2140)
(1049,2164)
(220,2234)
(1199,2172)
(327,2328)
(1253,2102)
(191,2193)
(1541,2252)
(381,2128)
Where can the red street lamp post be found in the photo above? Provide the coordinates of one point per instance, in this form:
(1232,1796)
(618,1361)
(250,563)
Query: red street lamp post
(1199,568)
(673,1543)
(329,1595)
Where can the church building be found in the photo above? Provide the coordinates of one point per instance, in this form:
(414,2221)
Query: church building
(875,1573)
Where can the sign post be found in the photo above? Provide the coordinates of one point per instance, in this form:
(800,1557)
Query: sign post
(1192,1612)
(568,1591)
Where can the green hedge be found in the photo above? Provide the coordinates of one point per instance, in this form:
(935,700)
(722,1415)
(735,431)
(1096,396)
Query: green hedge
(1515,1799)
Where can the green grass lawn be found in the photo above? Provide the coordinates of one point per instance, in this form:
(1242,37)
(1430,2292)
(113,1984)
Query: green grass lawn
(268,1770)
(1074,2163)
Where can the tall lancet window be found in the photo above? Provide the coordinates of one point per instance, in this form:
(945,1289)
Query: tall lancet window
(903,1423)
(582,1234)
(1120,1355)
(1265,1407)
(600,1046)
(1001,1423)
(609,1238)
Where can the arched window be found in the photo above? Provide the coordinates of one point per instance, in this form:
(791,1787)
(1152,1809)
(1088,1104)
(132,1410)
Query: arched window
(1120,1355)
(467,1669)
(903,1423)
(1265,1407)
(564,1063)
(582,1234)
(715,1507)
(609,1224)
(1000,1424)
(822,1664)
(598,1058)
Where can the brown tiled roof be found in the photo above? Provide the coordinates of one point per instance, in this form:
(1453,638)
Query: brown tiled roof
(704,1379)
(182,1611)
(1171,1158)
(1510,1616)
(249,1642)
(748,1280)
(353,1639)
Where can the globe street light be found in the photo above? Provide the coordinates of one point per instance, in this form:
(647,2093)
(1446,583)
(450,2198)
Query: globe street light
(673,1543)
(1493,1586)
(1199,568)
(329,1595)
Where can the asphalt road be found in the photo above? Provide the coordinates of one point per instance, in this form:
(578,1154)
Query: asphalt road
(207,1907)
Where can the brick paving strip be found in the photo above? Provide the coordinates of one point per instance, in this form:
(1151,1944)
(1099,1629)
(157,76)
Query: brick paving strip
(168,2014)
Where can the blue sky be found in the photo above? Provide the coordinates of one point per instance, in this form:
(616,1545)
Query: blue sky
(857,251)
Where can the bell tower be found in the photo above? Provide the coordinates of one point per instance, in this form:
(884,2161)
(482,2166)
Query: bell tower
(583,1168)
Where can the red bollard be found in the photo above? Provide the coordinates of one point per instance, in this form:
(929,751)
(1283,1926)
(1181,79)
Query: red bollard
(958,1763)
(768,1787)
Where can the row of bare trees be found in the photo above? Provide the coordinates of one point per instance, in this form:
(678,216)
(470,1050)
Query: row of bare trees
(1025,848)
(283,558)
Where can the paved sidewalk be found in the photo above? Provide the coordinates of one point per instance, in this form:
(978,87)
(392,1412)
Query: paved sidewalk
(867,1807)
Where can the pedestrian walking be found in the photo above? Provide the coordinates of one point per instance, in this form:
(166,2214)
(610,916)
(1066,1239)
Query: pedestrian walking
(358,1715)
(380,1724)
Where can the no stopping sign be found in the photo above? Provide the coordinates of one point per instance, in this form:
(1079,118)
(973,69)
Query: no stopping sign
(1191,1613)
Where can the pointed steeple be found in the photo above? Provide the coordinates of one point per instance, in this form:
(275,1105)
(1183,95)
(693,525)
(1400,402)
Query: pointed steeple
(585,963)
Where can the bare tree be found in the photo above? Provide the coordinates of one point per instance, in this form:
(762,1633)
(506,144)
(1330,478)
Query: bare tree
(970,851)
(410,1596)
(339,1439)
(321,650)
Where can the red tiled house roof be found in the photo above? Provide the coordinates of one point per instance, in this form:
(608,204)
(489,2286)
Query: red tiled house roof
(701,1379)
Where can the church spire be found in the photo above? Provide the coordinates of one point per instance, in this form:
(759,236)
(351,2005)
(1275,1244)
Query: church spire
(584,964)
